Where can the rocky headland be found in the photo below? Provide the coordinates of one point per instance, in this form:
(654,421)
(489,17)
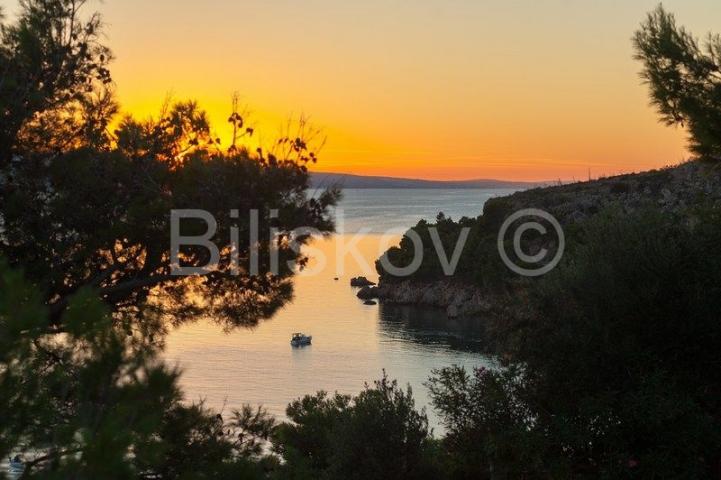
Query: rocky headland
(672,189)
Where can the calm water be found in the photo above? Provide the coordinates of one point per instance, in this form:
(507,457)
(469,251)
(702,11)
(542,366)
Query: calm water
(378,210)
(352,342)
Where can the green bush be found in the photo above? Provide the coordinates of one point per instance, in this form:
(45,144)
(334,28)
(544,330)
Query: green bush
(377,434)
(613,371)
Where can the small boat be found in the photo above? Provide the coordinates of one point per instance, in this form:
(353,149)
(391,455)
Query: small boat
(299,339)
(16,464)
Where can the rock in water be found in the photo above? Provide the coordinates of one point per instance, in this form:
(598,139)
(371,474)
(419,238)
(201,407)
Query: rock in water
(360,282)
(367,293)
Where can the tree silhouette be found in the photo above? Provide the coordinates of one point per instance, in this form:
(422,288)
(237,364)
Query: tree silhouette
(684,78)
(85,215)
(86,207)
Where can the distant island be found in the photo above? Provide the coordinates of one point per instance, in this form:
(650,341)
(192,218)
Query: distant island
(345,180)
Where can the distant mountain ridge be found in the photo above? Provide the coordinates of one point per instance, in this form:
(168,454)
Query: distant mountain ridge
(345,180)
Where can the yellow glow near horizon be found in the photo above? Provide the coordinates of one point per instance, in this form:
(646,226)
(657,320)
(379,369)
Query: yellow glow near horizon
(456,89)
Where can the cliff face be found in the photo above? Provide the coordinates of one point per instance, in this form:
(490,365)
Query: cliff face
(673,189)
(456,298)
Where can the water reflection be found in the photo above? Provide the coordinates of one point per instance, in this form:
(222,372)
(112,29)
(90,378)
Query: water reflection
(352,343)
(430,326)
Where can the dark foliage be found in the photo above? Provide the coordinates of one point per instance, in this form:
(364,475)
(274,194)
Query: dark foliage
(84,214)
(54,79)
(84,207)
(99,403)
(684,78)
(614,373)
(376,435)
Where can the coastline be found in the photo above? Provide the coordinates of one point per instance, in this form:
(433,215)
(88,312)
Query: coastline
(676,189)
(458,299)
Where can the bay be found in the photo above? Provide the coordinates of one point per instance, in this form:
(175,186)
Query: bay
(353,343)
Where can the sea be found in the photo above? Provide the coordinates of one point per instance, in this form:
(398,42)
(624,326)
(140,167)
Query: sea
(353,343)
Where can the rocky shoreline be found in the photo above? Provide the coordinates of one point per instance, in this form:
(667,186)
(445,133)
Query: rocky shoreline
(457,299)
(669,189)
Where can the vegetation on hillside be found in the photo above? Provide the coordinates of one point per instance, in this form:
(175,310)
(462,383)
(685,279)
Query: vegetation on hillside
(609,370)
(610,363)
(684,79)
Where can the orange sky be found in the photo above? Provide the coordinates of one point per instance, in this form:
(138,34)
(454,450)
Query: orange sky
(512,89)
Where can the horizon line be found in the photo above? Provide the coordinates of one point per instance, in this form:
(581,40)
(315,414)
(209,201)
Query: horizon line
(432,180)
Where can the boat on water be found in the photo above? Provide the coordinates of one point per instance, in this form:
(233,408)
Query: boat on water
(300,339)
(16,464)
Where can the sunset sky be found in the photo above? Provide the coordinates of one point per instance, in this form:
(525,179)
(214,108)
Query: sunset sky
(525,89)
